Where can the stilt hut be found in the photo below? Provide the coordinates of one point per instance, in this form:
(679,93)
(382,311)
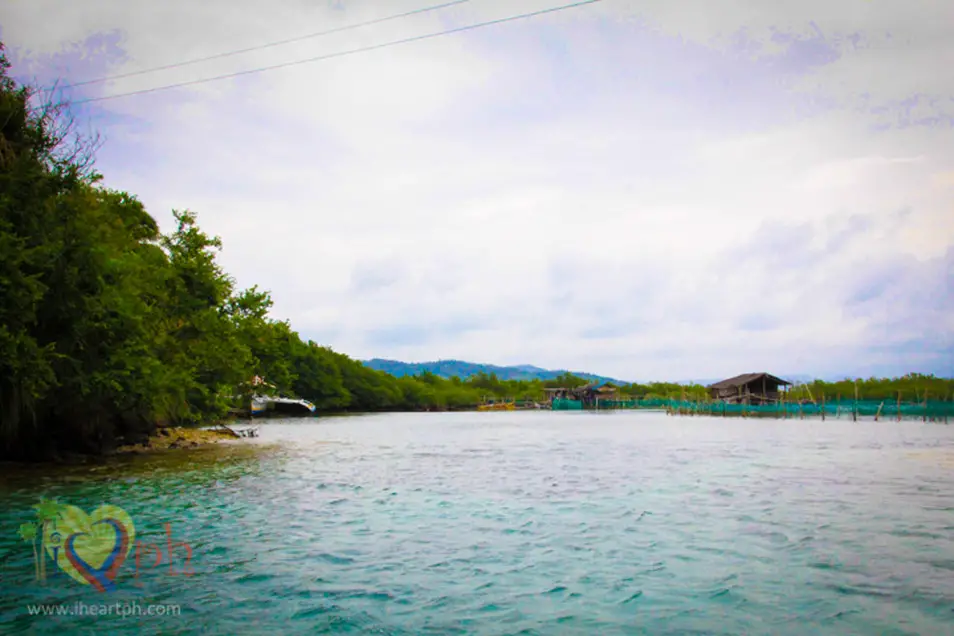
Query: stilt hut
(749,388)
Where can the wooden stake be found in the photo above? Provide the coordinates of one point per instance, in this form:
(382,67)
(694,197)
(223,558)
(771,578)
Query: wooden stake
(854,408)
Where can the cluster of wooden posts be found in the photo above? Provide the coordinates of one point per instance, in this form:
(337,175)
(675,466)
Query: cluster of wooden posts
(780,408)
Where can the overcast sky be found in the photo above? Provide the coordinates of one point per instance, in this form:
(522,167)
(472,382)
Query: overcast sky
(646,190)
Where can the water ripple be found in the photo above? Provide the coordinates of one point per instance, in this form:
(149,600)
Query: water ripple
(522,523)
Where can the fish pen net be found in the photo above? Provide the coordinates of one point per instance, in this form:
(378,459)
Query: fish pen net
(929,409)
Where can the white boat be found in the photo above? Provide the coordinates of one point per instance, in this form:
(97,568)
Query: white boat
(262,404)
(259,406)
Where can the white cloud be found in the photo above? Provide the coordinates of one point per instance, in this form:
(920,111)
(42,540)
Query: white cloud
(602,196)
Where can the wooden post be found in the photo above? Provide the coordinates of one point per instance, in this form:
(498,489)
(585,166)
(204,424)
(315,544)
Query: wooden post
(854,408)
(823,407)
(899,406)
(810,396)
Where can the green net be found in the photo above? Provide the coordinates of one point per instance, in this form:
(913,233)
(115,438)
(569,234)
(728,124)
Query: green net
(870,408)
(562,404)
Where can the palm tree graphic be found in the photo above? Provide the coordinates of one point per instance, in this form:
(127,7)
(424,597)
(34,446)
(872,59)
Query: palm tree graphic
(28,534)
(46,513)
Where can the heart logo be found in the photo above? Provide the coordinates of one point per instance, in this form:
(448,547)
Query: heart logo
(90,548)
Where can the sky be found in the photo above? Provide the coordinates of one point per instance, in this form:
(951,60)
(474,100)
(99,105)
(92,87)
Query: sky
(646,190)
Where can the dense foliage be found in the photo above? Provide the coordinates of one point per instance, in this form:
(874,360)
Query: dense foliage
(109,328)
(914,387)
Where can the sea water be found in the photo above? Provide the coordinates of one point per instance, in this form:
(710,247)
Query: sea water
(510,523)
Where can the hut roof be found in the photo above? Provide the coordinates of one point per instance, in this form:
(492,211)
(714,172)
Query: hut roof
(748,378)
(598,384)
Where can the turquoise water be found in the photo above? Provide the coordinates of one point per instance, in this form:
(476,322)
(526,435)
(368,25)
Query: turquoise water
(520,523)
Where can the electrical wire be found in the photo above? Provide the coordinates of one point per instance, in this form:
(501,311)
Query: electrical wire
(259,47)
(329,56)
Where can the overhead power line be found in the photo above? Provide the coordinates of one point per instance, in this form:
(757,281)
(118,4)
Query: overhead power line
(329,56)
(260,47)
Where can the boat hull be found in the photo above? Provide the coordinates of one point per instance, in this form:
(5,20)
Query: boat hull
(288,406)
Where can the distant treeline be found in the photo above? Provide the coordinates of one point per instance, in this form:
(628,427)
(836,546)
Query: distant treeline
(109,328)
(913,387)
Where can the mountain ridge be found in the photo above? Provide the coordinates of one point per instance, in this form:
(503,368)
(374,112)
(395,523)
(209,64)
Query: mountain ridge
(463,369)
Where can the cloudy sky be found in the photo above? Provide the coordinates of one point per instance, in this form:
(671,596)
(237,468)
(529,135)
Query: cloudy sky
(644,189)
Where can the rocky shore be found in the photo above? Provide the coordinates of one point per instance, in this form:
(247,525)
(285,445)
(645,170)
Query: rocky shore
(178,437)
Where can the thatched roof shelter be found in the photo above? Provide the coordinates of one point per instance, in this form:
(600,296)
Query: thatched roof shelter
(748,388)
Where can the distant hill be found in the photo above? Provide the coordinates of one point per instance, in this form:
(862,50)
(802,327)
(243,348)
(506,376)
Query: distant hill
(461,369)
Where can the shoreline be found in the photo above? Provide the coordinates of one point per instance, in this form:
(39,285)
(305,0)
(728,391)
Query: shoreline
(179,438)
